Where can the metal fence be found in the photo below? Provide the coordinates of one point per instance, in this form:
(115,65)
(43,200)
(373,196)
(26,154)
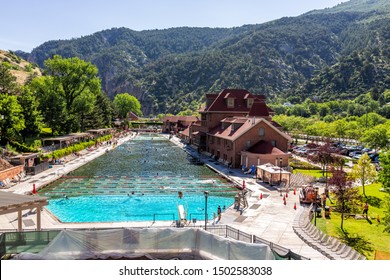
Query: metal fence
(280,252)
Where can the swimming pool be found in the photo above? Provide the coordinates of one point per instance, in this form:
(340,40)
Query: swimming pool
(138,181)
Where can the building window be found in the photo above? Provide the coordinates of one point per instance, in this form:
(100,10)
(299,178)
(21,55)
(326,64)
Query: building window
(261,131)
(273,142)
(230,102)
(248,143)
(249,102)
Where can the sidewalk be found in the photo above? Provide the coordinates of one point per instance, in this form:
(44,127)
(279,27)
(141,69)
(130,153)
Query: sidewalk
(267,218)
(57,171)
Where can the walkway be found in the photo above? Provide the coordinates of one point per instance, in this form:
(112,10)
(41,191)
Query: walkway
(268,218)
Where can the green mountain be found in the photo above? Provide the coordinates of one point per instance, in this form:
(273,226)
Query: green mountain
(324,54)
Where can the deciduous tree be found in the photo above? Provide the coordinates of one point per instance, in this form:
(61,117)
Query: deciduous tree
(376,137)
(347,196)
(31,114)
(124,103)
(384,173)
(11,118)
(8,84)
(51,104)
(364,171)
(74,76)
(67,94)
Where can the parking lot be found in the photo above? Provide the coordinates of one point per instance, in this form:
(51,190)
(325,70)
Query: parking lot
(351,153)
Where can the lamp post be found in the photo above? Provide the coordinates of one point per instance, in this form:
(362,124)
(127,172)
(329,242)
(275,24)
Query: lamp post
(206,194)
(280,168)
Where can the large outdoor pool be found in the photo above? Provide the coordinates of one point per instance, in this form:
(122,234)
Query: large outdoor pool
(140,180)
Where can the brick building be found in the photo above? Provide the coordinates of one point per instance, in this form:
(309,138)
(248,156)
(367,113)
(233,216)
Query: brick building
(177,123)
(236,128)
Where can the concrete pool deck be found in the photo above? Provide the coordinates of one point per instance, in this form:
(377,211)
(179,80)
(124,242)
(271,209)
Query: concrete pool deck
(267,218)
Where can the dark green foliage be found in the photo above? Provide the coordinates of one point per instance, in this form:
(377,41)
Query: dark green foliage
(332,53)
(23,148)
(33,119)
(384,173)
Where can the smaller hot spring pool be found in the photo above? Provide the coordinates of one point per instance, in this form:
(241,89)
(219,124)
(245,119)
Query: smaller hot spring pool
(124,208)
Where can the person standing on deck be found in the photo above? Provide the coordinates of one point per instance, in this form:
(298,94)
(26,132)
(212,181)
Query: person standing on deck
(219,211)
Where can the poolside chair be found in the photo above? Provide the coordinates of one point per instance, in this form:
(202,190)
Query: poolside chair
(6,183)
(248,171)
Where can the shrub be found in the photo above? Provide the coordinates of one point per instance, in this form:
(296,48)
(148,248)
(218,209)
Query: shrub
(76,147)
(23,148)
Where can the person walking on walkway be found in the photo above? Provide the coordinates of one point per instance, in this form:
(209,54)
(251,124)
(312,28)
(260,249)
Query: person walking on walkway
(323,200)
(365,210)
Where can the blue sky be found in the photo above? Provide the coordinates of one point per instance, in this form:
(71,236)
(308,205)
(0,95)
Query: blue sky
(25,24)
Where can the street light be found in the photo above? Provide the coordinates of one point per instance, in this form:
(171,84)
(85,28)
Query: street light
(280,168)
(206,194)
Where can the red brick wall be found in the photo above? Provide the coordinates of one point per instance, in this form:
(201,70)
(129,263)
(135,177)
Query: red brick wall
(253,136)
(11,172)
(225,148)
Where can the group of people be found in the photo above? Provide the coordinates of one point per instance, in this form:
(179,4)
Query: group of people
(365,206)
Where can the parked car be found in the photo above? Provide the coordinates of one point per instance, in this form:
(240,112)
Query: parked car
(355,154)
(374,157)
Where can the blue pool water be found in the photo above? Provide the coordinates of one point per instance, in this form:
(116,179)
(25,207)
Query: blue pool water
(134,207)
(138,181)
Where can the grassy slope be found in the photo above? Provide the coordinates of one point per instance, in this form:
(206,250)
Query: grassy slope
(19,67)
(370,231)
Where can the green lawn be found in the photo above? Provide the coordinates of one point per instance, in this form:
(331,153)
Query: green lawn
(370,232)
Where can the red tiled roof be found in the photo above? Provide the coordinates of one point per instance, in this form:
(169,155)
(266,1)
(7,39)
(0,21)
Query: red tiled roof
(259,108)
(180,118)
(265,147)
(234,120)
(276,124)
(240,96)
(229,133)
(232,135)
(185,132)
(197,123)
(133,116)
(219,103)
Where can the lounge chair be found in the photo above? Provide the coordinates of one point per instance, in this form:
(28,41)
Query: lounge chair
(248,171)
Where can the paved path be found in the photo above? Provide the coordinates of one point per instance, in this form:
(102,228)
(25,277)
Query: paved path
(267,218)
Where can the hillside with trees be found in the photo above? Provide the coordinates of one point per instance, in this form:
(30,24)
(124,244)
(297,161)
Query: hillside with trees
(67,98)
(338,52)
